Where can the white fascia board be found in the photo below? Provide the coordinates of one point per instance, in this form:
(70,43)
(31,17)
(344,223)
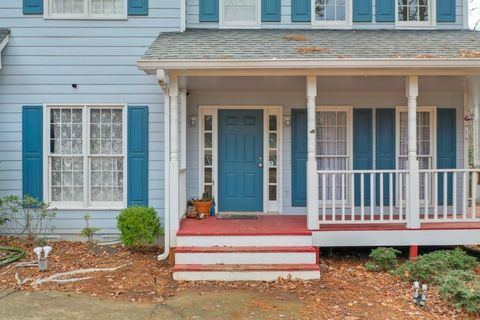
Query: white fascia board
(3,45)
(407,63)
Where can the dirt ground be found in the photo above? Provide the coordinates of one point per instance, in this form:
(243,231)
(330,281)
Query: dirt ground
(345,291)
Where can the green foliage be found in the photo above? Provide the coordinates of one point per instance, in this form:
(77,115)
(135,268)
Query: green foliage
(437,263)
(382,259)
(139,226)
(89,232)
(27,216)
(462,288)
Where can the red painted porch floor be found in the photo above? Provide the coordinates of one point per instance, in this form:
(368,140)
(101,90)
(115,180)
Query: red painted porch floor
(294,225)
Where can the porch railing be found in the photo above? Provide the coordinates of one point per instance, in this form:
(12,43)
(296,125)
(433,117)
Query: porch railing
(449,195)
(381,196)
(363,196)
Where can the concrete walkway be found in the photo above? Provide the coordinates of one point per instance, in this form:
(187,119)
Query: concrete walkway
(192,304)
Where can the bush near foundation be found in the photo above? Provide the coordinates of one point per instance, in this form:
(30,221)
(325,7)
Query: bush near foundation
(382,259)
(139,226)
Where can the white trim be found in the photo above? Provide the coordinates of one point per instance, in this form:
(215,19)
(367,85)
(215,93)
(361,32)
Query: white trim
(48,15)
(430,24)
(358,63)
(337,24)
(183,15)
(465,16)
(240,24)
(213,111)
(86,203)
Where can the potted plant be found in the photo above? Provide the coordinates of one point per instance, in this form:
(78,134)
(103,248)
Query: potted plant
(203,204)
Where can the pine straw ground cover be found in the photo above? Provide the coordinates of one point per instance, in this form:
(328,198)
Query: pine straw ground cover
(345,291)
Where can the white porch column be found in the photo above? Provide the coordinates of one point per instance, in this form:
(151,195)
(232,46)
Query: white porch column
(312,177)
(473,104)
(413,209)
(174,155)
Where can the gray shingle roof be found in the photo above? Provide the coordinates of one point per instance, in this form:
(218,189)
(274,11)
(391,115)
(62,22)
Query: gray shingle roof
(316,44)
(3,34)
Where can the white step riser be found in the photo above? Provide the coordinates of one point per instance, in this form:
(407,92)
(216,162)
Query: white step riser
(243,241)
(245,258)
(244,275)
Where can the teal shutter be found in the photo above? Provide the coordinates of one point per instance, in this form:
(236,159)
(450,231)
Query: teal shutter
(299,157)
(138,7)
(32,6)
(385,150)
(385,10)
(446,149)
(301,10)
(137,156)
(446,10)
(362,151)
(271,10)
(32,151)
(362,10)
(209,10)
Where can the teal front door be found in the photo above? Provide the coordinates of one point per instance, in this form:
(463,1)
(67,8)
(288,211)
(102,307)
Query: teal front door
(240,160)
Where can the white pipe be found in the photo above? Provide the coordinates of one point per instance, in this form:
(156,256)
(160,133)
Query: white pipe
(166,121)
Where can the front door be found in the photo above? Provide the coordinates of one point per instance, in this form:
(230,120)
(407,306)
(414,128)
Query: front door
(240,160)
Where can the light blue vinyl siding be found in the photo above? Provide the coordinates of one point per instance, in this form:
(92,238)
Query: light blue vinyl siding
(43,59)
(193,21)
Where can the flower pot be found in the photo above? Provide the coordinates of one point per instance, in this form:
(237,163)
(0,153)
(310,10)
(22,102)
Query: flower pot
(203,206)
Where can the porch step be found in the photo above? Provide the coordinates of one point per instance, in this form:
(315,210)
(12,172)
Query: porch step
(243,240)
(245,272)
(245,255)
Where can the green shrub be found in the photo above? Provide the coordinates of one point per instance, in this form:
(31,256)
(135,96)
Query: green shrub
(89,232)
(138,226)
(382,259)
(431,265)
(462,288)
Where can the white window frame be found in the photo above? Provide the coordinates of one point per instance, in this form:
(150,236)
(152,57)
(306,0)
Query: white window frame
(433,135)
(48,14)
(268,206)
(240,24)
(349,111)
(431,23)
(87,203)
(347,24)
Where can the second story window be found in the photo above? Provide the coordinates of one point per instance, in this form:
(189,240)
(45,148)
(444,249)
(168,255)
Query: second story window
(87,9)
(240,13)
(330,13)
(414,13)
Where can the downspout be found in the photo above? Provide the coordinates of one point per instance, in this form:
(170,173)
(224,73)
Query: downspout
(163,80)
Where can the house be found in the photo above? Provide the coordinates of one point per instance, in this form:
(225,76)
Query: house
(333,123)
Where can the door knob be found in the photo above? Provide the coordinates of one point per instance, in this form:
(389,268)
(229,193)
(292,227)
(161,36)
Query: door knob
(260,165)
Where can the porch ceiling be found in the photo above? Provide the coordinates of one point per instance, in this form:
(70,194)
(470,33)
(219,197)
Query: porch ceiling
(224,49)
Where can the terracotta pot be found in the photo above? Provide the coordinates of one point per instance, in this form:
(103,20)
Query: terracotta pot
(203,207)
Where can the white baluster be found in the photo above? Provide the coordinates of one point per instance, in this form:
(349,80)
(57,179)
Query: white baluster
(343,196)
(445,195)
(382,176)
(400,205)
(426,197)
(454,194)
(390,193)
(324,198)
(362,195)
(333,196)
(352,194)
(465,193)
(372,197)
(435,195)
(474,196)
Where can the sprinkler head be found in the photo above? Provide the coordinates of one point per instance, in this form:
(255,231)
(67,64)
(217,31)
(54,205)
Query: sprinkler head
(47,250)
(38,252)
